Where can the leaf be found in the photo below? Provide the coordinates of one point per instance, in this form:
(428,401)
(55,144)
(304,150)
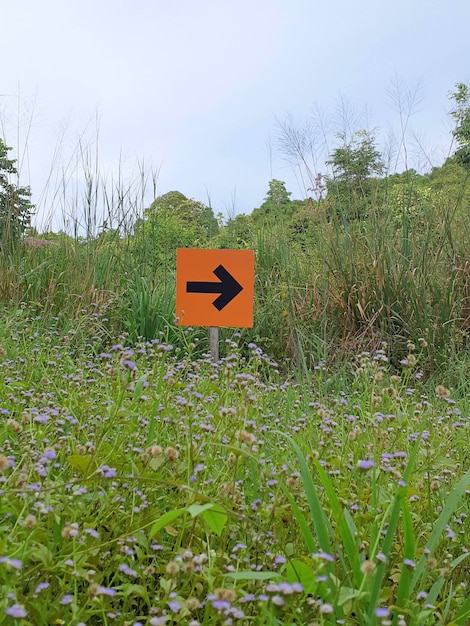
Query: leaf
(439,526)
(80,462)
(346,593)
(215,518)
(196,509)
(165,520)
(299,571)
(130,589)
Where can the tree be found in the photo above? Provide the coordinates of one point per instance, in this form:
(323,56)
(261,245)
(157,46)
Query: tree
(277,203)
(356,160)
(354,164)
(461,115)
(15,202)
(173,221)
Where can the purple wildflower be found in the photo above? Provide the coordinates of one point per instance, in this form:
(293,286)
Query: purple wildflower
(41,587)
(16,563)
(16,610)
(125,569)
(107,472)
(366,464)
(66,599)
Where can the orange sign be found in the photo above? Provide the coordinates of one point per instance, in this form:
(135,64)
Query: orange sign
(214,287)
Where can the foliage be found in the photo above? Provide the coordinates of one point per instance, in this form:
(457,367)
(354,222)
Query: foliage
(15,201)
(172,221)
(277,204)
(238,232)
(354,163)
(143,484)
(461,115)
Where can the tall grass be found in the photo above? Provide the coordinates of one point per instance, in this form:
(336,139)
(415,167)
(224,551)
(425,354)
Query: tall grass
(398,274)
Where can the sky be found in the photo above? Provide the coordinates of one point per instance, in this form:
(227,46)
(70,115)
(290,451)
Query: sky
(197,91)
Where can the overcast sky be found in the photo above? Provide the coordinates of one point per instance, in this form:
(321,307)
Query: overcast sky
(194,87)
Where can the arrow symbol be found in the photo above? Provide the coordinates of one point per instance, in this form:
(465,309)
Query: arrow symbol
(228,287)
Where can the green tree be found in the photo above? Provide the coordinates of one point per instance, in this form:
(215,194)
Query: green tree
(15,202)
(461,115)
(355,162)
(238,232)
(173,221)
(276,205)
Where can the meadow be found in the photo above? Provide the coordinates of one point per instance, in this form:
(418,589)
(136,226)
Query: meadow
(143,484)
(318,473)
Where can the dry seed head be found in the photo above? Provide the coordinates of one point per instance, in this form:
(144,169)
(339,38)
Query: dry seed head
(172,568)
(171,453)
(14,425)
(69,531)
(4,462)
(30,521)
(155,450)
(442,392)
(245,437)
(367,567)
(228,595)
(21,480)
(192,604)
(94,589)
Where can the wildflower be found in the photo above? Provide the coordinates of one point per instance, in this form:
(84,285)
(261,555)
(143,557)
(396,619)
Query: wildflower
(15,563)
(278,600)
(16,610)
(409,563)
(99,590)
(324,556)
(125,569)
(382,612)
(41,587)
(66,599)
(106,471)
(70,530)
(365,464)
(130,365)
(326,609)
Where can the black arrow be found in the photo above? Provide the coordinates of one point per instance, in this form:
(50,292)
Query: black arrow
(228,287)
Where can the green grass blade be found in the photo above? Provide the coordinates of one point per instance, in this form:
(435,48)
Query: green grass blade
(403,591)
(439,527)
(319,519)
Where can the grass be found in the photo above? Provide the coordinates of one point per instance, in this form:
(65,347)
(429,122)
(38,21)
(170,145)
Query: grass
(141,483)
(318,474)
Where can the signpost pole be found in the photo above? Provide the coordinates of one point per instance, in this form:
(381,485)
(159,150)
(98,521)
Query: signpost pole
(214,343)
